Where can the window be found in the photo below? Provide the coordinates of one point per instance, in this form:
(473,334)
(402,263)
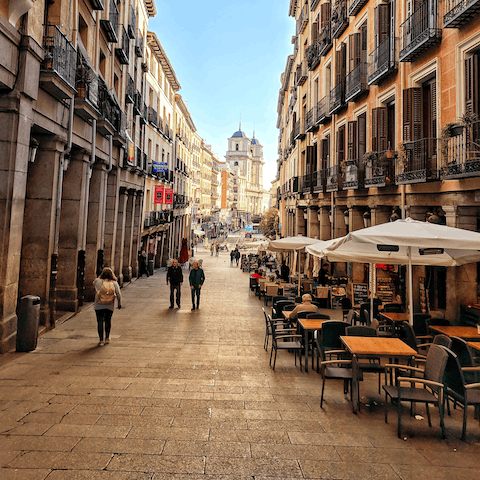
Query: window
(325,153)
(236,146)
(420,112)
(83,30)
(472,99)
(340,144)
(311,159)
(102,64)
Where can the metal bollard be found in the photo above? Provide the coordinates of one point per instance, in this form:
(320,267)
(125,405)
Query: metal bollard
(27,324)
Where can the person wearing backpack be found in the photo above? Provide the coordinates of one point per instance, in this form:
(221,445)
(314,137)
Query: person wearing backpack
(106,290)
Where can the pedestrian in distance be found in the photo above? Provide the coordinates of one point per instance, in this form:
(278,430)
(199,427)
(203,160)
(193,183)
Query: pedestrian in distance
(212,248)
(237,255)
(232,257)
(197,277)
(175,275)
(106,290)
(217,248)
(143,264)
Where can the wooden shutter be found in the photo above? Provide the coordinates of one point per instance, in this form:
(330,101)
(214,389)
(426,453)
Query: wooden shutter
(382,129)
(471,85)
(375,130)
(362,135)
(352,140)
(310,160)
(412,114)
(341,144)
(314,31)
(362,44)
(383,21)
(325,14)
(338,67)
(324,148)
(354,50)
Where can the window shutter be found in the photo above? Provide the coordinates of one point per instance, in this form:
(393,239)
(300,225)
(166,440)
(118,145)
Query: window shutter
(341,144)
(325,14)
(352,140)
(375,130)
(376,31)
(363,44)
(338,67)
(310,160)
(324,146)
(362,135)
(471,85)
(412,114)
(383,21)
(382,129)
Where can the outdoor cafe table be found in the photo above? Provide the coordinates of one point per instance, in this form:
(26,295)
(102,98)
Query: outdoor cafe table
(394,318)
(467,333)
(373,347)
(475,345)
(308,325)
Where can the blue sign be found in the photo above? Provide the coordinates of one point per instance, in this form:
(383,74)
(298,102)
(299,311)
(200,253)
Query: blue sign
(160,167)
(248,228)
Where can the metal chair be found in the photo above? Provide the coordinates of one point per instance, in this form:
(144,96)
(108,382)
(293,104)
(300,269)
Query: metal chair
(431,392)
(270,292)
(282,341)
(318,316)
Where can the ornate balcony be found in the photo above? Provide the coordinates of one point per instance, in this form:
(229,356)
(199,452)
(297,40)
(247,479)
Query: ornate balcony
(58,68)
(310,123)
(319,181)
(138,103)
(459,12)
(152,116)
(383,61)
(333,179)
(139,45)
(354,6)
(299,130)
(323,110)
(130,93)
(109,110)
(337,98)
(420,162)
(123,52)
(339,18)
(132,23)
(354,175)
(110,24)
(302,20)
(321,47)
(97,4)
(379,170)
(461,154)
(420,31)
(306,183)
(356,82)
(313,5)
(301,74)
(86,83)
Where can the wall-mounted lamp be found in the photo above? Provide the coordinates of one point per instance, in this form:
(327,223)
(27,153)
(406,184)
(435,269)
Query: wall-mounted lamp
(367,216)
(396,215)
(305,214)
(346,216)
(34,144)
(319,216)
(330,216)
(433,217)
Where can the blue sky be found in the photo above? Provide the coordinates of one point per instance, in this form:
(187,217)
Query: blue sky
(228,57)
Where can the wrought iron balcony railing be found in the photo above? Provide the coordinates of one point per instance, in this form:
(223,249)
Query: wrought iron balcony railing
(354,174)
(420,162)
(302,20)
(314,53)
(323,110)
(292,138)
(123,53)
(383,61)
(110,23)
(138,103)
(152,116)
(337,98)
(339,18)
(458,12)
(313,4)
(139,45)
(301,74)
(97,4)
(86,83)
(379,170)
(306,183)
(356,82)
(419,31)
(461,153)
(299,129)
(319,181)
(132,23)
(310,123)
(333,179)
(130,93)
(60,55)
(354,6)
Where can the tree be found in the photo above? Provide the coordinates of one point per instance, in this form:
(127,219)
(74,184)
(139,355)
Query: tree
(269,223)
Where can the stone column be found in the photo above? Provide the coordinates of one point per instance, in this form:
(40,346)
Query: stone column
(71,230)
(111,217)
(137,231)
(325,227)
(339,223)
(300,222)
(94,227)
(380,214)
(418,212)
(313,224)
(356,218)
(128,240)
(120,237)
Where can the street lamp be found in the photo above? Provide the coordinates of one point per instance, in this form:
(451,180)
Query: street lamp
(367,216)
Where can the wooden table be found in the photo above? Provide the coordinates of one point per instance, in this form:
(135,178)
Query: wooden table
(467,333)
(475,345)
(309,325)
(394,316)
(373,347)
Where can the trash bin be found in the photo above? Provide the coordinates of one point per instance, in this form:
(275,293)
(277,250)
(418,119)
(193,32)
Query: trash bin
(27,324)
(150,267)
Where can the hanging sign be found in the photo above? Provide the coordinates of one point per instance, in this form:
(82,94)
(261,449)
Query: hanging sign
(131,153)
(169,196)
(159,194)
(160,167)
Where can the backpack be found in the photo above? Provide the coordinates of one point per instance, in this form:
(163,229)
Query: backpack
(106,295)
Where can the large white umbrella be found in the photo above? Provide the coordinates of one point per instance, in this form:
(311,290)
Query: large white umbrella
(295,244)
(404,242)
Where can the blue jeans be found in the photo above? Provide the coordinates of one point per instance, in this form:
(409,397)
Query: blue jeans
(196,291)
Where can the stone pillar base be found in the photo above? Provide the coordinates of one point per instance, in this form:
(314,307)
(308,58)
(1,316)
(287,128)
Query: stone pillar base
(67,300)
(8,333)
(127,274)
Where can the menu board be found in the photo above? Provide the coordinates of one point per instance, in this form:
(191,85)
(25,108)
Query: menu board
(360,293)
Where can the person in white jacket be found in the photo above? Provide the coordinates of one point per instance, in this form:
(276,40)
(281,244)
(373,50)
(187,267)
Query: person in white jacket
(106,290)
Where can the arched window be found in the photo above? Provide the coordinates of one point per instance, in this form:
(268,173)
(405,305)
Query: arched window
(236,146)
(236,164)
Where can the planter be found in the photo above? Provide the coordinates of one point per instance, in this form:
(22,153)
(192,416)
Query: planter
(457,130)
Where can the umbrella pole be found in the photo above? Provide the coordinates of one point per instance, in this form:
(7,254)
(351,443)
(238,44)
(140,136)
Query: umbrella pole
(410,286)
(298,266)
(372,290)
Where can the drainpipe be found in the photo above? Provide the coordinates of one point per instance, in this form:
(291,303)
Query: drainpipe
(63,165)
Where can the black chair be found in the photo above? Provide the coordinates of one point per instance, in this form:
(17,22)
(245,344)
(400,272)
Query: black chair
(439,322)
(420,324)
(346,307)
(278,308)
(318,316)
(471,370)
(281,327)
(431,392)
(339,369)
(361,331)
(408,336)
(393,307)
(365,311)
(329,338)
(253,285)
(458,390)
(285,341)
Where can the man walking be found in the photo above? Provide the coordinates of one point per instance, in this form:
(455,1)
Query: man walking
(175,275)
(197,277)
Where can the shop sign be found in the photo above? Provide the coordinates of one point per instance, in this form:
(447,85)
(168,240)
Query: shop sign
(160,167)
(159,194)
(131,153)
(169,196)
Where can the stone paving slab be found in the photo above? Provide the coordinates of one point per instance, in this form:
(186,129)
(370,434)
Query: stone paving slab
(190,395)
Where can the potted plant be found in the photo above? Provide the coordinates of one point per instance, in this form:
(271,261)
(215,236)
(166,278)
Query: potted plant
(402,155)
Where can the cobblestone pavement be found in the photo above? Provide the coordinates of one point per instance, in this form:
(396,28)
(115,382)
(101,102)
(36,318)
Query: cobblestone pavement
(190,395)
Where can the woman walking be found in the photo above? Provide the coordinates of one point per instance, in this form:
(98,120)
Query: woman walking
(106,289)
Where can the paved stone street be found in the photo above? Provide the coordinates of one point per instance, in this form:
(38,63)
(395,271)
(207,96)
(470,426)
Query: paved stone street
(190,395)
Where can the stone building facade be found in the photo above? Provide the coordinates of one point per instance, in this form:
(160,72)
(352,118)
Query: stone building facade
(366,107)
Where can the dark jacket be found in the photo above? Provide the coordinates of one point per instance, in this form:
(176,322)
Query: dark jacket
(197,277)
(175,275)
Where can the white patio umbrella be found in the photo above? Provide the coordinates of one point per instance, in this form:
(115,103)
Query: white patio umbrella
(407,242)
(296,244)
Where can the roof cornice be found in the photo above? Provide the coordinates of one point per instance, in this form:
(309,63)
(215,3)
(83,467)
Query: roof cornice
(156,46)
(151,8)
